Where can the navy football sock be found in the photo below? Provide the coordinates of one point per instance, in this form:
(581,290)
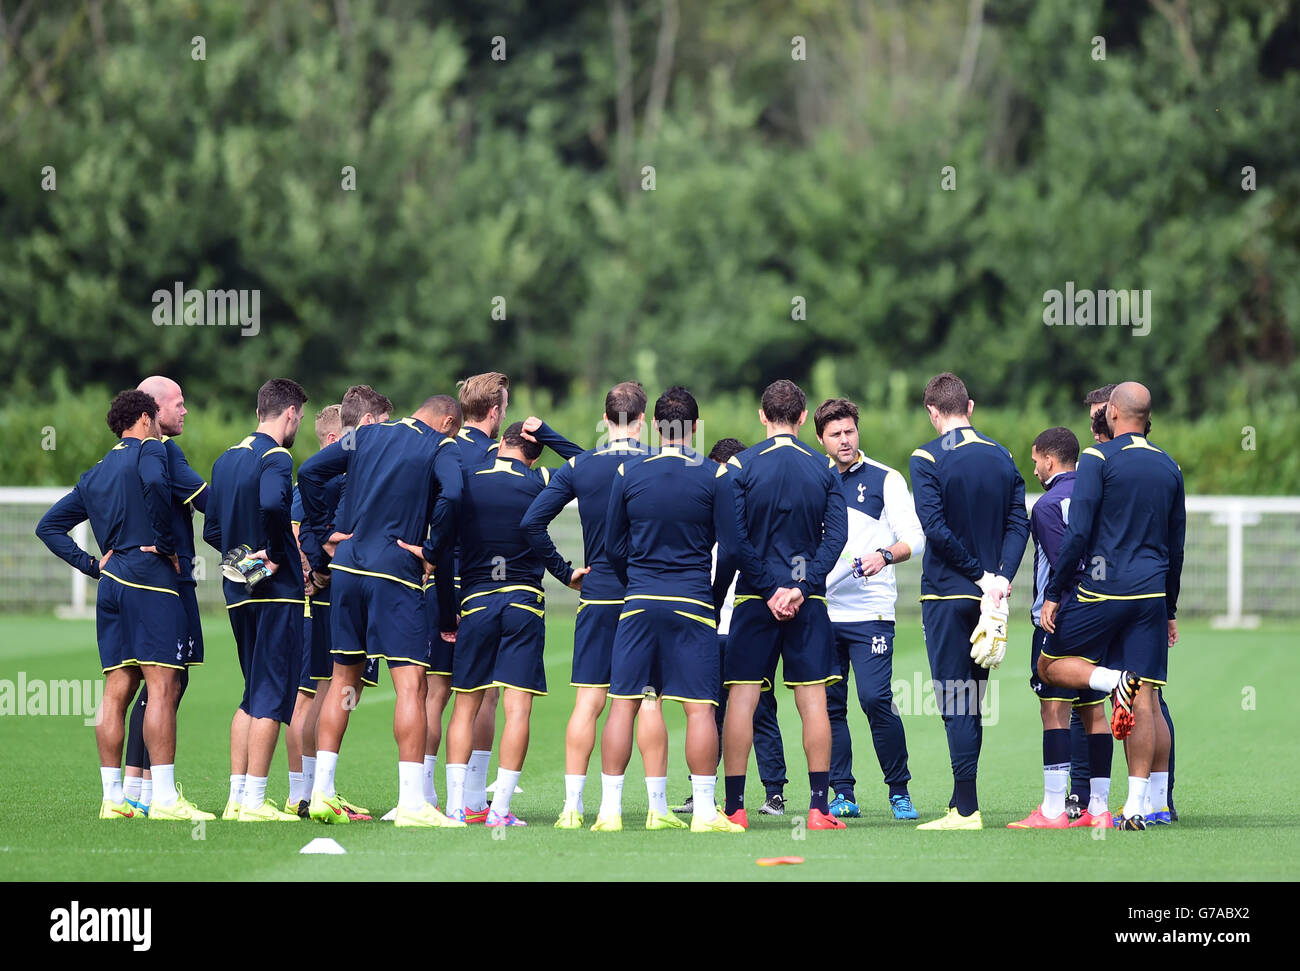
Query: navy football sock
(1079,759)
(819,783)
(897,790)
(967,801)
(1101,749)
(735,793)
(1056,746)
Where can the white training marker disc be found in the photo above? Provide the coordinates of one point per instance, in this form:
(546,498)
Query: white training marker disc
(493,788)
(323,844)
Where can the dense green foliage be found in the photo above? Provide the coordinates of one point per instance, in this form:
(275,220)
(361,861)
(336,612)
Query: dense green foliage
(1218,454)
(775,179)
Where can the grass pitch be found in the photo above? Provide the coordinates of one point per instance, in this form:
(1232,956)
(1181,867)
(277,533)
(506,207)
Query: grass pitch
(1236,722)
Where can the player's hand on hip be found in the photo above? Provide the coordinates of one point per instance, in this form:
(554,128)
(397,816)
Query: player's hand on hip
(332,543)
(1047,618)
(171,557)
(417,551)
(105,559)
(575,581)
(320,579)
(1173,632)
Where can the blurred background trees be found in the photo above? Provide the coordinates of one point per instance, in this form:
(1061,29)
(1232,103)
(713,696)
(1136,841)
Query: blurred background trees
(500,150)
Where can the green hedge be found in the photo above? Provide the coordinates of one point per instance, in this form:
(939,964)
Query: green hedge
(1217,453)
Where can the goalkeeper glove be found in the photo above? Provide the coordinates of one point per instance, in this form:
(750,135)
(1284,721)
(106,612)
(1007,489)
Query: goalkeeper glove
(989,639)
(240,566)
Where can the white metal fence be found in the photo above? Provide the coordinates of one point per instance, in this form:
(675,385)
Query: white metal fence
(1242,560)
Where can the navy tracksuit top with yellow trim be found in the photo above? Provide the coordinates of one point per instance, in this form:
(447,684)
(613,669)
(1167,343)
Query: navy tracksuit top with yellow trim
(1128,520)
(402,478)
(250,502)
(126,496)
(970,498)
(791,521)
(494,551)
(666,510)
(587,477)
(189,492)
(333,495)
(476,446)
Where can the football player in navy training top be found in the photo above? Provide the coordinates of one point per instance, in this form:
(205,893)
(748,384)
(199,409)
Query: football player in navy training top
(791,525)
(970,499)
(251,505)
(140,620)
(1114,626)
(189,492)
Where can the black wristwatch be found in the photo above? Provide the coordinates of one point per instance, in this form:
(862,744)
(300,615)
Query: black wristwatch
(888,556)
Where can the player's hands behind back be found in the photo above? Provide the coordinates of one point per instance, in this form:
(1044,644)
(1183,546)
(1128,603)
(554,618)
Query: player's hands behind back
(994,587)
(785,603)
(989,639)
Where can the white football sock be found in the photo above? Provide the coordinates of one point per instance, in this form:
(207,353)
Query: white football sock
(476,780)
(1158,791)
(657,789)
(456,786)
(1103,679)
(296,783)
(131,787)
(237,788)
(254,791)
(164,785)
(573,786)
(1099,796)
(505,788)
(326,763)
(430,781)
(1055,779)
(308,775)
(703,799)
(1135,805)
(611,795)
(110,776)
(146,792)
(410,785)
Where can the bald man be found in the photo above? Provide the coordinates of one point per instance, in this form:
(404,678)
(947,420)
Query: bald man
(1115,625)
(1101,432)
(189,492)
